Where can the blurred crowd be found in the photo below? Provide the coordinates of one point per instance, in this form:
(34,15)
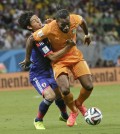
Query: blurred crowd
(102,16)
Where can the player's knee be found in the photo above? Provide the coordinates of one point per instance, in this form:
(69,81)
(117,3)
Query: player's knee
(89,87)
(49,95)
(65,91)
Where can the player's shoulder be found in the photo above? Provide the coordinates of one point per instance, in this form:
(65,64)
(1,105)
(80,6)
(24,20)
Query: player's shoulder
(76,19)
(51,26)
(74,16)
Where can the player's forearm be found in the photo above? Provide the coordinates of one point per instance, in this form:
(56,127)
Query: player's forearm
(84,27)
(29,46)
(56,55)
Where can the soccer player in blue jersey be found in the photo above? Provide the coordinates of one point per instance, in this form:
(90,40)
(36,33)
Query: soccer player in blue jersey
(41,73)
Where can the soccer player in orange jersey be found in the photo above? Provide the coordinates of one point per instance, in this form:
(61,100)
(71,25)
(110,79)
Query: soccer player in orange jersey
(41,73)
(58,31)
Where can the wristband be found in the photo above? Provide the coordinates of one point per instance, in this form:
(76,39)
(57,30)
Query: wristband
(87,36)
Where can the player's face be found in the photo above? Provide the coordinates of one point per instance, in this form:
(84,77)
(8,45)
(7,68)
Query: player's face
(35,23)
(64,24)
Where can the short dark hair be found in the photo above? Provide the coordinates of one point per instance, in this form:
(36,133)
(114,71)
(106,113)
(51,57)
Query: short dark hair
(24,19)
(62,14)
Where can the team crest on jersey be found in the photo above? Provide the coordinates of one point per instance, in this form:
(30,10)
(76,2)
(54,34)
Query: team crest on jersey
(45,49)
(44,84)
(74,31)
(40,33)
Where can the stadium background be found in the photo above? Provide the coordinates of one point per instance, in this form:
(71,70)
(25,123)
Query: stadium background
(18,108)
(102,16)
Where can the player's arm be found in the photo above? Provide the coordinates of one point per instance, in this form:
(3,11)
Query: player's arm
(47,52)
(87,38)
(42,33)
(39,35)
(56,55)
(82,23)
(29,45)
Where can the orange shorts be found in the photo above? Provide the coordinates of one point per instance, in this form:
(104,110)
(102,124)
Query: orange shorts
(78,69)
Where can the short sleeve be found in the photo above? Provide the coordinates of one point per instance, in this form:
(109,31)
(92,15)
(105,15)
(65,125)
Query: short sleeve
(42,33)
(78,19)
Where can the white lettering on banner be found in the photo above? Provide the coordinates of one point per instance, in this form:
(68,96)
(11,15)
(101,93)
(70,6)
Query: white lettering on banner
(19,81)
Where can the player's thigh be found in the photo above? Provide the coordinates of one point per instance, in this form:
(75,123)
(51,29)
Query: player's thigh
(79,69)
(63,83)
(86,81)
(49,94)
(54,86)
(43,87)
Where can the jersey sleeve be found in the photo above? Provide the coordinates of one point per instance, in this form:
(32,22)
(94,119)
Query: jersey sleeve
(42,33)
(44,49)
(78,19)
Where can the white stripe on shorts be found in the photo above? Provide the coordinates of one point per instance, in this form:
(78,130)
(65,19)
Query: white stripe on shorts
(38,84)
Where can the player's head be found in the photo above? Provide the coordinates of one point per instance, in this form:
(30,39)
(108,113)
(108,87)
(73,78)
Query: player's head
(28,20)
(63,19)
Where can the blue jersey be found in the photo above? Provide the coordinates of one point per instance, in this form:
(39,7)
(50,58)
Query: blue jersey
(41,63)
(41,73)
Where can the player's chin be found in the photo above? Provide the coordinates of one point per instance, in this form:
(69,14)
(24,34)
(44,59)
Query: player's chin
(66,31)
(39,26)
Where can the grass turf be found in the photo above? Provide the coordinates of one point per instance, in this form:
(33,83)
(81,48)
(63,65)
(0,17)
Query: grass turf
(18,109)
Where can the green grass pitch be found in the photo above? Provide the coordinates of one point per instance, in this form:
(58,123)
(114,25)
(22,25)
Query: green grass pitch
(18,109)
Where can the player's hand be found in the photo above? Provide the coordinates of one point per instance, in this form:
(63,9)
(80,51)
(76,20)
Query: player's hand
(70,42)
(25,64)
(48,20)
(87,39)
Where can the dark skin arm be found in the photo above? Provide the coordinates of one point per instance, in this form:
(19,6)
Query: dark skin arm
(56,55)
(87,38)
(53,56)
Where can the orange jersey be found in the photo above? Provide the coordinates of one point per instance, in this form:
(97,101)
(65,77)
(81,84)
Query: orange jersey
(73,59)
(57,38)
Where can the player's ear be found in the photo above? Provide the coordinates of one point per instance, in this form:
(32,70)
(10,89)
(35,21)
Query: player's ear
(29,27)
